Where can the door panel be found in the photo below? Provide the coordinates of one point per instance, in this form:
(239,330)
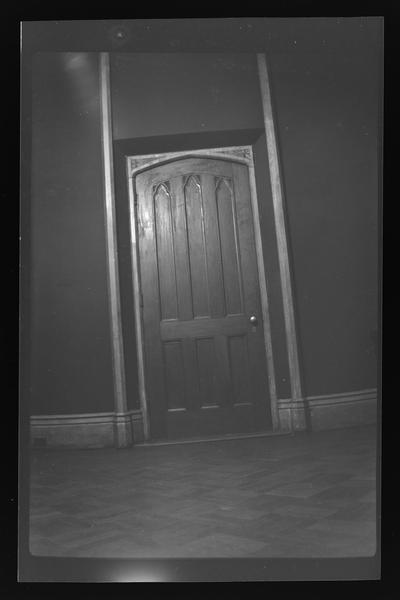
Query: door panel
(204,361)
(165,253)
(229,247)
(173,365)
(239,369)
(213,248)
(197,248)
(182,263)
(208,372)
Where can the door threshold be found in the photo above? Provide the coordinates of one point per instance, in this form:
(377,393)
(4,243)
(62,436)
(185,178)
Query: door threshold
(216,438)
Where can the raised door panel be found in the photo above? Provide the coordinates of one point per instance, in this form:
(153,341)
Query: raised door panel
(193,202)
(230,251)
(165,252)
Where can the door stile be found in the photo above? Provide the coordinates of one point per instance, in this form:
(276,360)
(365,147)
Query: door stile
(137,297)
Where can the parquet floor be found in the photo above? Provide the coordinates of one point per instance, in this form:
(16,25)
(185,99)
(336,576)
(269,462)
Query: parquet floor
(307,495)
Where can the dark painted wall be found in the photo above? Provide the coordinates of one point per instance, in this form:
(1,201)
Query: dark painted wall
(163,94)
(70,357)
(326,108)
(327,118)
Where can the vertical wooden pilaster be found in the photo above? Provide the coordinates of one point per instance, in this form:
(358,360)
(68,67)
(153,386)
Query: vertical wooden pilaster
(122,425)
(281,234)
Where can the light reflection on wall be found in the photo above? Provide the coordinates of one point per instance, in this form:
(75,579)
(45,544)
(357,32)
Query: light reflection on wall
(83,77)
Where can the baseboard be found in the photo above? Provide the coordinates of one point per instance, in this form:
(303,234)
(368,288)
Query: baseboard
(93,430)
(101,430)
(329,411)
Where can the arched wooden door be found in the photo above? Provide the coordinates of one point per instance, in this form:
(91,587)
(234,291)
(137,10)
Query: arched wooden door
(205,365)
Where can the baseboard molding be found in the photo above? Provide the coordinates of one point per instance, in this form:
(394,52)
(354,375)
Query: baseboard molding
(121,430)
(329,411)
(93,430)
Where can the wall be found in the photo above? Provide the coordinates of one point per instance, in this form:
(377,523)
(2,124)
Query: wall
(70,353)
(162,94)
(326,109)
(327,118)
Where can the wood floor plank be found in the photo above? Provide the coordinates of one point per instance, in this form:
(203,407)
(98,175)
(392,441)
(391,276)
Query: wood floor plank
(302,495)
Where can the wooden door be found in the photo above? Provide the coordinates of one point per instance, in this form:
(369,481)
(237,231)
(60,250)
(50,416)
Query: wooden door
(205,366)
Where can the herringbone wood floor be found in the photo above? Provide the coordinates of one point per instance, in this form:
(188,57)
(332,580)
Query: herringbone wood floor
(307,495)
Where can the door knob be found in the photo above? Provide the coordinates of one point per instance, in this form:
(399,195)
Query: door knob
(253,320)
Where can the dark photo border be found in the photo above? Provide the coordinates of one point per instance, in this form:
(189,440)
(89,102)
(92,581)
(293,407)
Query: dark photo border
(166,35)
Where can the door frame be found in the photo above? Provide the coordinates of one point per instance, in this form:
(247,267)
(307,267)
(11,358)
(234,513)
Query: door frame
(140,163)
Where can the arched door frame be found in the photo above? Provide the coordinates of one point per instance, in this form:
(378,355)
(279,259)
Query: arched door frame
(138,164)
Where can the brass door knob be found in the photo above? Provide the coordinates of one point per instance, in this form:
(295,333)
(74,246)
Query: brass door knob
(253,320)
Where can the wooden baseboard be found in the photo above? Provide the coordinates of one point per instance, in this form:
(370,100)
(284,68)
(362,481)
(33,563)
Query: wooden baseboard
(330,411)
(100,430)
(94,430)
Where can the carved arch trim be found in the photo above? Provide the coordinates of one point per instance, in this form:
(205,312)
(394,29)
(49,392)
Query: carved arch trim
(241,154)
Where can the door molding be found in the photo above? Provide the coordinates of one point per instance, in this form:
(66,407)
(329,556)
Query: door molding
(280,228)
(123,430)
(140,163)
